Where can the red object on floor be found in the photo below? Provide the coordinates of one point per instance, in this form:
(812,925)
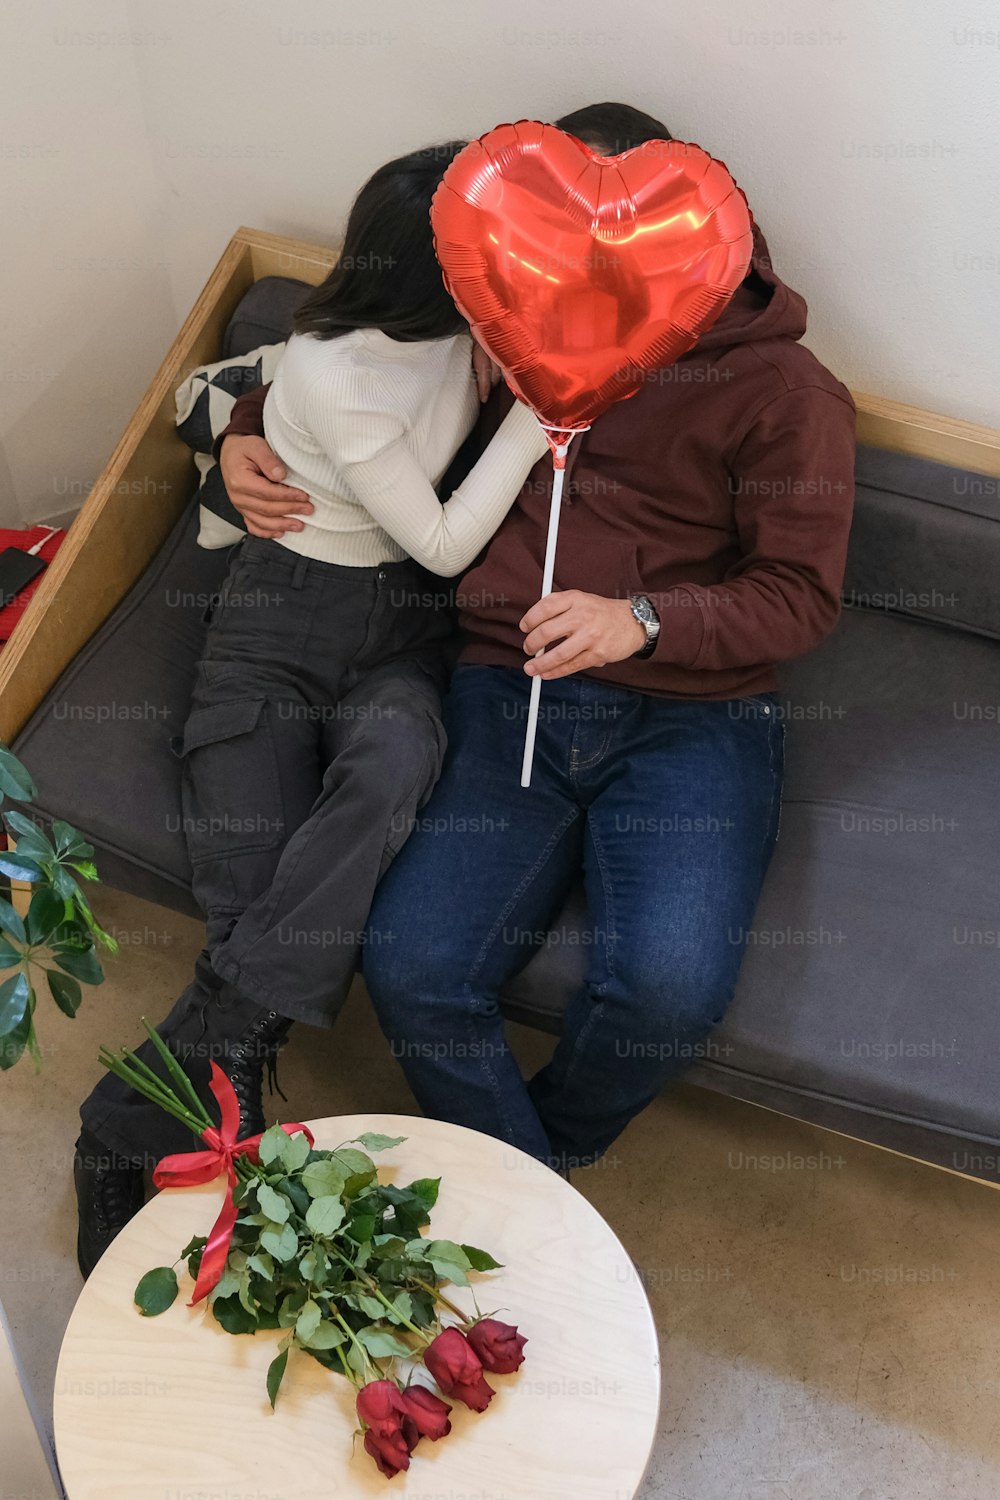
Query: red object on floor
(25,540)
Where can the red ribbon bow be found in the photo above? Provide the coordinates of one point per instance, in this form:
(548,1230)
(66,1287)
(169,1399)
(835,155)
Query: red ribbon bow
(193,1168)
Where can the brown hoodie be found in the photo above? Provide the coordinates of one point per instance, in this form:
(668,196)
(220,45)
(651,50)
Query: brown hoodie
(722,490)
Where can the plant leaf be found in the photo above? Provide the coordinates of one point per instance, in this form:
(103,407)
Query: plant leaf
(20,867)
(295,1151)
(156,1291)
(326,1336)
(426,1189)
(14,1043)
(481,1260)
(281,1241)
(308,1321)
(46,914)
(14,779)
(82,965)
(65,992)
(381,1344)
(14,997)
(275,1375)
(272,1145)
(372,1141)
(11,923)
(323,1179)
(275,1205)
(325,1215)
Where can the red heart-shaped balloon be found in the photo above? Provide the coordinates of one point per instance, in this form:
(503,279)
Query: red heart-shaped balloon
(580,273)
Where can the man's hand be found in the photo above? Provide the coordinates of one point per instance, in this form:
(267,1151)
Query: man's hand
(592,631)
(250,472)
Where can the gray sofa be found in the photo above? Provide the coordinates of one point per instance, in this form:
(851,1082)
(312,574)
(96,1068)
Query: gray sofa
(868,1000)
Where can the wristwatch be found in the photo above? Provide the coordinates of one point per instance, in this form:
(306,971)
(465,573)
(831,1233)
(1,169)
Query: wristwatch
(648,619)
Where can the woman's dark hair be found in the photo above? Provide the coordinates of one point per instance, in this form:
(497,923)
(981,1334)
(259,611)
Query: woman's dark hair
(610,129)
(387,275)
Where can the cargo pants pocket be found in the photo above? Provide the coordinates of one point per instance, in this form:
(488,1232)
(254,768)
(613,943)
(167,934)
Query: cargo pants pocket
(233,813)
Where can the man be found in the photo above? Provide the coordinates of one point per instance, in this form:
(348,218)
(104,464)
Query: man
(703,539)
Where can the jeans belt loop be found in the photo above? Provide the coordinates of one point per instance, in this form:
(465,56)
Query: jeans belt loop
(299,572)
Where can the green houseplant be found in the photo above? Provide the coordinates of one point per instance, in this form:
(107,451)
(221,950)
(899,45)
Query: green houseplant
(55,944)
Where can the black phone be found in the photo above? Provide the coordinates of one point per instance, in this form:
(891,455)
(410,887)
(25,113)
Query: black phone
(17,570)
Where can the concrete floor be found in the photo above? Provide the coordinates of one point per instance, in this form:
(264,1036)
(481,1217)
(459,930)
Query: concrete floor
(829,1314)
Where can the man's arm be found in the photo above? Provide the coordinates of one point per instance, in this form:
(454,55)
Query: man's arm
(252,472)
(793,495)
(793,491)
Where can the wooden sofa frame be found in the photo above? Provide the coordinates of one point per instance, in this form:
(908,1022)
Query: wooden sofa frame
(150,477)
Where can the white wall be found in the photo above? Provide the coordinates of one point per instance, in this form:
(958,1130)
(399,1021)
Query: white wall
(864,132)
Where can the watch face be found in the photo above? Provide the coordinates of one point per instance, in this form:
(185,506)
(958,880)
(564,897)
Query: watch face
(642,609)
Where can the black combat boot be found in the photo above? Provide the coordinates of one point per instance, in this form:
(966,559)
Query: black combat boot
(212,1022)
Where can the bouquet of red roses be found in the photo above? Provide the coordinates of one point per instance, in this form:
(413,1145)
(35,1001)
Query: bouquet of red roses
(310,1241)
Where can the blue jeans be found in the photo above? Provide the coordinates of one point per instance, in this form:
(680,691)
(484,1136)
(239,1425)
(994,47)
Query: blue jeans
(670,810)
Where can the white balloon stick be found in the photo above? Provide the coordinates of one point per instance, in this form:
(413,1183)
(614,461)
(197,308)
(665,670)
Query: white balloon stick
(559,452)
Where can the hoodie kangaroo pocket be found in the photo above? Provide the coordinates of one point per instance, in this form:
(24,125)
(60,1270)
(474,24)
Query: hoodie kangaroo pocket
(595,565)
(232,795)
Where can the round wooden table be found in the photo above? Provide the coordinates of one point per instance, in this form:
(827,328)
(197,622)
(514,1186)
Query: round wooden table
(173,1407)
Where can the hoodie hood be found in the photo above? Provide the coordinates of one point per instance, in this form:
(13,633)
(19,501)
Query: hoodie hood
(763,307)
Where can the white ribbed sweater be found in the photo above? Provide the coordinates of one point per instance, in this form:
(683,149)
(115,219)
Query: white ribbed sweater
(367,426)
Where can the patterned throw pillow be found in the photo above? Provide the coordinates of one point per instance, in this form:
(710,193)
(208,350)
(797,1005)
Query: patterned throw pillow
(204,403)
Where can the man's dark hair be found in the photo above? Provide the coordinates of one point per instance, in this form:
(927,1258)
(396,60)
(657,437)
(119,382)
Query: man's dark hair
(610,129)
(387,275)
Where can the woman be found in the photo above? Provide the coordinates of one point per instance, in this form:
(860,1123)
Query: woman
(314,721)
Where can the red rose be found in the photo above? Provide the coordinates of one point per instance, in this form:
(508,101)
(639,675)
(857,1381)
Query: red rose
(458,1370)
(498,1345)
(389,1426)
(427,1412)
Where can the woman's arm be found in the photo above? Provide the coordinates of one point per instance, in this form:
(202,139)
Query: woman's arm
(384,476)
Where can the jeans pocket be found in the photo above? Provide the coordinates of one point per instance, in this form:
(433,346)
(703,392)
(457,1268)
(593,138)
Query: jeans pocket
(232,791)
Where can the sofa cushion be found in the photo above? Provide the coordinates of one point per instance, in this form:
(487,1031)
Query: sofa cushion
(925,542)
(99,746)
(204,404)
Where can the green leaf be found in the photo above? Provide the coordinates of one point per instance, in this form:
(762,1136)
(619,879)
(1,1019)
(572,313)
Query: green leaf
(86,868)
(323,1179)
(448,1259)
(355,1163)
(14,1043)
(27,830)
(308,1321)
(295,1151)
(381,1344)
(46,914)
(228,1285)
(65,992)
(374,1142)
(156,1291)
(370,1306)
(275,1205)
(426,1189)
(14,996)
(361,1228)
(272,1146)
(14,779)
(84,966)
(262,1265)
(10,922)
(10,957)
(326,1336)
(20,867)
(275,1375)
(325,1215)
(233,1317)
(481,1260)
(281,1241)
